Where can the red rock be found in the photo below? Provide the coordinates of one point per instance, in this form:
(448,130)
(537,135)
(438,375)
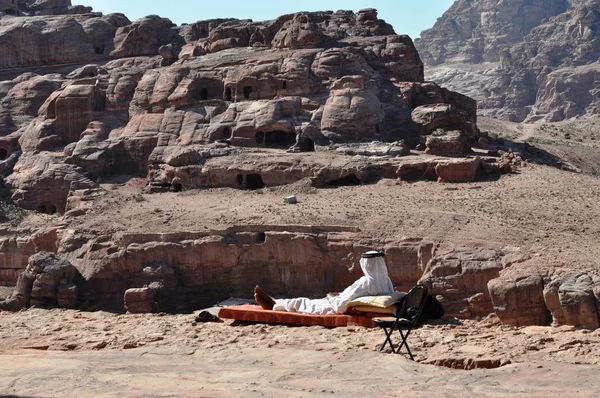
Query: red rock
(459,171)
(460,275)
(517,296)
(572,301)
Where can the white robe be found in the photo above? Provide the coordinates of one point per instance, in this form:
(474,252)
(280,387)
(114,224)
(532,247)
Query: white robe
(375,282)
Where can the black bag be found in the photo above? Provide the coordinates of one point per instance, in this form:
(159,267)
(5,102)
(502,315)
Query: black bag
(432,309)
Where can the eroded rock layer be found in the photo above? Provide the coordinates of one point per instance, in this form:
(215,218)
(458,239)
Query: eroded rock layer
(522,60)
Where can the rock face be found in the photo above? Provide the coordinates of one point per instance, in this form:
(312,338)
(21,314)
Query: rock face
(572,300)
(517,297)
(35,41)
(47,281)
(174,100)
(527,60)
(460,277)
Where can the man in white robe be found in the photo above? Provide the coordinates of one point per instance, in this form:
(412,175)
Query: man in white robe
(374,282)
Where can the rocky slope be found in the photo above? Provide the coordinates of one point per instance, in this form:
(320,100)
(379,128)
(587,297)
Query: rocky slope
(522,60)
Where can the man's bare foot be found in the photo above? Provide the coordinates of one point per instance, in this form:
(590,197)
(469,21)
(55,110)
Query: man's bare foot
(263,299)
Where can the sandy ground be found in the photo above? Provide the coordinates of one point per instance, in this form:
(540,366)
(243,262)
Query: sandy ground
(63,352)
(276,372)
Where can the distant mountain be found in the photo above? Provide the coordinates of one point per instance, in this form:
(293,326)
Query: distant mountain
(521,59)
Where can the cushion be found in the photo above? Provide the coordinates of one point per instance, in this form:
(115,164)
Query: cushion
(254,313)
(368,309)
(383,301)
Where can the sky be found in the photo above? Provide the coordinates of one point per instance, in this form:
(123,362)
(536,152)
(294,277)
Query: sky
(407,16)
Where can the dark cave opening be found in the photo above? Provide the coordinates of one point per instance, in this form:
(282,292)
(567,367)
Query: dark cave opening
(261,237)
(177,187)
(347,181)
(3,153)
(228,94)
(260,137)
(307,145)
(247,92)
(279,139)
(204,94)
(254,182)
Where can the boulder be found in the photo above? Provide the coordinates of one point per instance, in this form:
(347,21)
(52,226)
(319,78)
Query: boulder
(572,301)
(42,183)
(140,300)
(46,282)
(517,296)
(298,32)
(463,170)
(145,36)
(352,112)
(460,277)
(169,53)
(439,116)
(448,144)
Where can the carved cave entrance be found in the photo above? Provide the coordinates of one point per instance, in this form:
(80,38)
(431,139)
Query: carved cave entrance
(228,94)
(307,145)
(276,139)
(247,92)
(254,182)
(47,209)
(226,133)
(347,181)
(203,93)
(3,153)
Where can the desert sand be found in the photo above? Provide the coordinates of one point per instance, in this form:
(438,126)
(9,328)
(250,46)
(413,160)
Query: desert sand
(53,353)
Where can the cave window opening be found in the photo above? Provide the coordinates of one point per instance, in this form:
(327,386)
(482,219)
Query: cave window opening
(53,209)
(203,32)
(42,209)
(3,153)
(307,145)
(284,85)
(204,94)
(228,94)
(254,182)
(247,92)
(261,237)
(92,74)
(177,187)
(347,181)
(279,139)
(260,137)
(99,50)
(226,133)
(240,179)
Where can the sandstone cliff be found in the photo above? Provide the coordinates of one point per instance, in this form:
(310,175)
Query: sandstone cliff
(522,60)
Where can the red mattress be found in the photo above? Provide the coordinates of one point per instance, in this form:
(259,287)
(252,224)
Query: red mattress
(254,313)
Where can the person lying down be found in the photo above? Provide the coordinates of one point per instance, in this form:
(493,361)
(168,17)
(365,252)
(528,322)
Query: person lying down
(375,281)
